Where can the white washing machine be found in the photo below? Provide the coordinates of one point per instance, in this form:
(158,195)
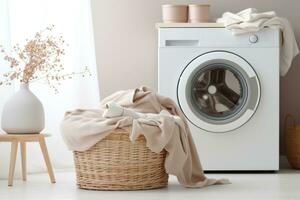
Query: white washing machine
(228,88)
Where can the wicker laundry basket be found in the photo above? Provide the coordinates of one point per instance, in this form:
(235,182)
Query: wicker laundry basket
(115,163)
(292,142)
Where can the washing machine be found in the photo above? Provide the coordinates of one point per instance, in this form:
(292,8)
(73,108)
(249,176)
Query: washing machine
(228,89)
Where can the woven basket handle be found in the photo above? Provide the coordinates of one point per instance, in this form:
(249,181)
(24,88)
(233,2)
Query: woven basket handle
(287,117)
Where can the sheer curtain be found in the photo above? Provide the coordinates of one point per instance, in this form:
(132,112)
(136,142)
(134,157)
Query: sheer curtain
(72,20)
(5,92)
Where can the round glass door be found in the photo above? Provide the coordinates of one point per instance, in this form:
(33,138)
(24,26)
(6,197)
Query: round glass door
(218,91)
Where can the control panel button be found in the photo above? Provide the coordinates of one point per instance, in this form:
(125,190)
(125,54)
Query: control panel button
(253,38)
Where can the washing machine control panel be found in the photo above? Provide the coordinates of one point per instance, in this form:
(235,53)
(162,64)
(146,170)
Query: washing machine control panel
(202,37)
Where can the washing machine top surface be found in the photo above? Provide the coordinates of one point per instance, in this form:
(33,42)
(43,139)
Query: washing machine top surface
(190,25)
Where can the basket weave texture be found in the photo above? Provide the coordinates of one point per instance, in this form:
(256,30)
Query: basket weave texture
(292,143)
(116,163)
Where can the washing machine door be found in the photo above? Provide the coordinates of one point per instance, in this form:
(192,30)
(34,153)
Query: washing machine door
(218,91)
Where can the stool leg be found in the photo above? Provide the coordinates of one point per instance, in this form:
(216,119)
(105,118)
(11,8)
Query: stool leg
(23,155)
(13,156)
(47,159)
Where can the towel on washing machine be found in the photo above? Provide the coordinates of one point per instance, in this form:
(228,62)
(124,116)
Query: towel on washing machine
(250,20)
(141,111)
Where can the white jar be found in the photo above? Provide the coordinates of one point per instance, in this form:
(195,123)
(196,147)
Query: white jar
(23,113)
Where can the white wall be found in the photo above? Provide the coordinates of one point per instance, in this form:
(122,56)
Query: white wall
(126,42)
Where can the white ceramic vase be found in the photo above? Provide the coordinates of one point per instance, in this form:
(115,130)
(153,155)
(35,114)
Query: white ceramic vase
(23,113)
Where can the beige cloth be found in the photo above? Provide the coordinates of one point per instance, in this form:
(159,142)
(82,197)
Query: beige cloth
(141,111)
(250,20)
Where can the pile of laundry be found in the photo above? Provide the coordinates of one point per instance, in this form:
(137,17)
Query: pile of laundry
(141,111)
(250,20)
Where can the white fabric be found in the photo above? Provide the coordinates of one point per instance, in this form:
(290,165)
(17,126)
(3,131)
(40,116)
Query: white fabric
(72,20)
(250,20)
(115,110)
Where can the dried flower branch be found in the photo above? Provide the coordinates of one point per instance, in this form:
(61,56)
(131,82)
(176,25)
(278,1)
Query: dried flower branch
(39,59)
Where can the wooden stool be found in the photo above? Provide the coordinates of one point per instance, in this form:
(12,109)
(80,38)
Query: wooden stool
(15,139)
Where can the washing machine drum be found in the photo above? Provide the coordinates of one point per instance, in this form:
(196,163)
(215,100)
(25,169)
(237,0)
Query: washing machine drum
(218,91)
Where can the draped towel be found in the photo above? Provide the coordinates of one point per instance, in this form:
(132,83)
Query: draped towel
(250,20)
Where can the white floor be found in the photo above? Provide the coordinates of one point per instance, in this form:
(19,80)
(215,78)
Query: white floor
(282,185)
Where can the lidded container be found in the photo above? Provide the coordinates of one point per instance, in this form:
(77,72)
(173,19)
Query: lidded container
(199,13)
(175,13)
